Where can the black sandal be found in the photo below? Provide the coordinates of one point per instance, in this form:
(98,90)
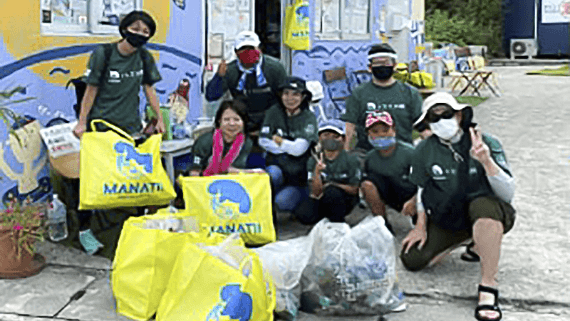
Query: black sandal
(487,307)
(470,255)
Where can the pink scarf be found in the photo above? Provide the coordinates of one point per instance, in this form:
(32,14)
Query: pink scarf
(218,164)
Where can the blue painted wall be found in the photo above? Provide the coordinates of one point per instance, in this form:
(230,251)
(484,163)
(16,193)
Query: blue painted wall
(43,64)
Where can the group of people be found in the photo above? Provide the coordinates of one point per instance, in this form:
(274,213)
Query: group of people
(455,184)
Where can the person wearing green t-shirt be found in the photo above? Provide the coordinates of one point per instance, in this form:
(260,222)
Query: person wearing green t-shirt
(383,93)
(225,149)
(385,177)
(253,78)
(287,134)
(334,177)
(112,93)
(465,187)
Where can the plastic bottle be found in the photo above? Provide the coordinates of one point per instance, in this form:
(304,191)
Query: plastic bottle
(57,220)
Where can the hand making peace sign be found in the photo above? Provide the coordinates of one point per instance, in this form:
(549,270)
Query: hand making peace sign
(479,150)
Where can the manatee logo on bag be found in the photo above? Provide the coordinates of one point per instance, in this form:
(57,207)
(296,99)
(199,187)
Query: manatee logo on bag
(229,199)
(131,163)
(235,304)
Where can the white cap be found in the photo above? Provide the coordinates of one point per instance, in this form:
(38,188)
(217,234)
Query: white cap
(439,98)
(316,88)
(246,38)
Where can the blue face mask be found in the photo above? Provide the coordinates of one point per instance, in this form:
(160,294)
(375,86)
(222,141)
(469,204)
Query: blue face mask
(382,143)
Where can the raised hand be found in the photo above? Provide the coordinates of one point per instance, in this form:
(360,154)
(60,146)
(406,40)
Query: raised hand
(479,150)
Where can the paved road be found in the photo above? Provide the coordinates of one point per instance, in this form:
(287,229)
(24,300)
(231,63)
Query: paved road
(530,119)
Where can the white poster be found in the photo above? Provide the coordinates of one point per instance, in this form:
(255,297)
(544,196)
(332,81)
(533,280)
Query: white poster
(60,139)
(555,11)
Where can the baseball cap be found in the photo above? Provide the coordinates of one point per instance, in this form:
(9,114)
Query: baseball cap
(436,99)
(374,118)
(246,38)
(334,125)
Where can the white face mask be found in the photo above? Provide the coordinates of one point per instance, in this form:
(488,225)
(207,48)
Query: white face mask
(445,128)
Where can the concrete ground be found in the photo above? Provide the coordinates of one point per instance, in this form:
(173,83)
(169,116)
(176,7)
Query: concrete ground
(531,121)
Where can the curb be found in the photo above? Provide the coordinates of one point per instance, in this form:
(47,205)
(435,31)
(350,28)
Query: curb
(527,62)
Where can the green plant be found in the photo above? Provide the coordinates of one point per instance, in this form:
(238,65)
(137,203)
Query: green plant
(465,22)
(26,222)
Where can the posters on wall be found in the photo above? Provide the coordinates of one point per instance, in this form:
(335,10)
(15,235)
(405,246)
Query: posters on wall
(555,11)
(356,16)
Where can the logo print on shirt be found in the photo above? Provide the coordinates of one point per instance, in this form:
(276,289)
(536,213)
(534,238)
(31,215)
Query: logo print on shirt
(437,171)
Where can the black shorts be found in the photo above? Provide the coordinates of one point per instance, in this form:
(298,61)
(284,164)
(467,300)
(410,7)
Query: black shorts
(393,194)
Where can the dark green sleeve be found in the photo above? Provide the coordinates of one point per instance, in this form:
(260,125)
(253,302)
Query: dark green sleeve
(311,163)
(95,67)
(201,152)
(497,153)
(355,173)
(281,74)
(352,109)
(416,105)
(365,169)
(241,160)
(419,175)
(269,124)
(150,74)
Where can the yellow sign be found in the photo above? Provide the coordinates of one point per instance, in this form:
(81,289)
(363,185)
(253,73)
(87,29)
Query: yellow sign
(420,49)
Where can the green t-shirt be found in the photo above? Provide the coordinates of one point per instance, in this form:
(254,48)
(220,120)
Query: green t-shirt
(402,101)
(202,152)
(257,98)
(117,99)
(396,167)
(345,169)
(302,125)
(448,183)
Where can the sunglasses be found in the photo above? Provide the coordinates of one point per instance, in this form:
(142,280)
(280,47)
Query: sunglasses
(432,117)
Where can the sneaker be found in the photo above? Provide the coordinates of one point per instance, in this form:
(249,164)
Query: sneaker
(89,242)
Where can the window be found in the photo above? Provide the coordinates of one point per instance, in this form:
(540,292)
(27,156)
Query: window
(84,17)
(342,19)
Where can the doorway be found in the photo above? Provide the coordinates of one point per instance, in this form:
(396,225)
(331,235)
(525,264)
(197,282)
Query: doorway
(268,26)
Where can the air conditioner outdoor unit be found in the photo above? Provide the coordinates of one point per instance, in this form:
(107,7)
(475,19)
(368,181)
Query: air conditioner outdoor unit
(523,47)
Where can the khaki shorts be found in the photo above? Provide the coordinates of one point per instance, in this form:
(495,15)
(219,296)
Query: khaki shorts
(439,240)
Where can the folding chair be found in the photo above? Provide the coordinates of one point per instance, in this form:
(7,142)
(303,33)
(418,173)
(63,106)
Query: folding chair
(338,87)
(470,73)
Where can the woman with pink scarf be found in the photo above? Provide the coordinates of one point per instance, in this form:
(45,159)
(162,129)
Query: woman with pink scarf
(226,148)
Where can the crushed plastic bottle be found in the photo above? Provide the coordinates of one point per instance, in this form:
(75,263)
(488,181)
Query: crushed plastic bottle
(57,220)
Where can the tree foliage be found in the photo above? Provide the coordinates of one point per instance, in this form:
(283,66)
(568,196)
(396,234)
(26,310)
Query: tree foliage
(465,22)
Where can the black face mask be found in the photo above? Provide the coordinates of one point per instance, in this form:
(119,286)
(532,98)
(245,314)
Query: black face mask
(382,72)
(331,144)
(135,39)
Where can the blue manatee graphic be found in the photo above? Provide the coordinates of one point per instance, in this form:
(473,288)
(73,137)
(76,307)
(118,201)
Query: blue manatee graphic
(239,305)
(232,191)
(129,152)
(302,12)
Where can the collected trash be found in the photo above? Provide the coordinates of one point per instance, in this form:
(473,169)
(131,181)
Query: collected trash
(57,220)
(351,271)
(285,261)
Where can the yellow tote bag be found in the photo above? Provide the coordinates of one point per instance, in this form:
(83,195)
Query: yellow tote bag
(205,287)
(114,173)
(296,31)
(143,263)
(232,204)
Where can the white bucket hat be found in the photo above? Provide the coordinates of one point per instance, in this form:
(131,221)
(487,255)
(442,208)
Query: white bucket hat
(439,98)
(316,88)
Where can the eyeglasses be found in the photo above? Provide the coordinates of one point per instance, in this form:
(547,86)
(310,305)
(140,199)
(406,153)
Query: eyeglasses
(432,117)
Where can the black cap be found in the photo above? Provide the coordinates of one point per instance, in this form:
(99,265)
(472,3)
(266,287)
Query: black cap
(297,84)
(134,16)
(381,47)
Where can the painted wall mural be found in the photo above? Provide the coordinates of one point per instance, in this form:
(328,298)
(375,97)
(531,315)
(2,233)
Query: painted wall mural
(347,61)
(44,63)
